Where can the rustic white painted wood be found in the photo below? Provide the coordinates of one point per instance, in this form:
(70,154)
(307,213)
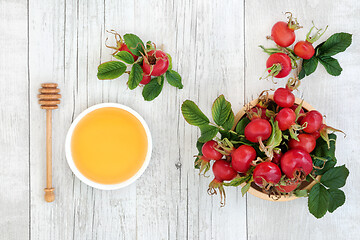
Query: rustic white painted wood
(336,97)
(214,47)
(14,121)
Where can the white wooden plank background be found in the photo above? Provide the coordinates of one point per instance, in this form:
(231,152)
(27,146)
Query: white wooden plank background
(214,47)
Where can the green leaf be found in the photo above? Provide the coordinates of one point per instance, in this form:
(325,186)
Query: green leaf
(336,199)
(134,43)
(208,132)
(324,165)
(149,45)
(293,134)
(153,88)
(192,114)
(237,181)
(174,79)
(338,42)
(199,146)
(225,134)
(229,123)
(318,201)
(240,127)
(309,65)
(335,177)
(301,193)
(170,61)
(245,188)
(331,65)
(317,52)
(275,137)
(135,77)
(197,164)
(322,150)
(220,110)
(111,70)
(125,57)
(301,73)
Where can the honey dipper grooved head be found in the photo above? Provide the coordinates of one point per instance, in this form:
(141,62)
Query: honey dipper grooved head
(49,96)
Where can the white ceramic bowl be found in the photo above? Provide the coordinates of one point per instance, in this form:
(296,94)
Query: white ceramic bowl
(70,159)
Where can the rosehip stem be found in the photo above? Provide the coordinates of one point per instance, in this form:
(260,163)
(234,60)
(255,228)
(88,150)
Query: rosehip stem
(317,181)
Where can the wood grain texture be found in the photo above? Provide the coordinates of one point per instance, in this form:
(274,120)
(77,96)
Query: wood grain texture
(332,96)
(14,121)
(214,47)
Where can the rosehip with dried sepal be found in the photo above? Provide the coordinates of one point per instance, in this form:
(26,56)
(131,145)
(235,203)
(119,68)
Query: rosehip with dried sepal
(155,63)
(209,150)
(282,33)
(305,49)
(223,172)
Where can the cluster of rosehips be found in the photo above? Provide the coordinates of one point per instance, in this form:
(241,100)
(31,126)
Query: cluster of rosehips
(283,132)
(155,62)
(283,59)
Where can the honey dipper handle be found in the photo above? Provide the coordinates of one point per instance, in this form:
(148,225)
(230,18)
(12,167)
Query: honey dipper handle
(49,190)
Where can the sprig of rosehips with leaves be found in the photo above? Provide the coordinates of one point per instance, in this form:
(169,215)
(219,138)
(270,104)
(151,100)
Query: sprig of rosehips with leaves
(303,56)
(149,65)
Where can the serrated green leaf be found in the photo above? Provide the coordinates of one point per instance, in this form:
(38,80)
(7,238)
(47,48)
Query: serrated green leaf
(111,70)
(149,45)
(331,65)
(301,193)
(318,201)
(125,56)
(335,177)
(224,134)
(153,88)
(159,79)
(322,150)
(336,199)
(170,61)
(192,114)
(197,163)
(293,134)
(240,127)
(324,163)
(245,188)
(301,73)
(317,52)
(229,123)
(220,110)
(275,137)
(237,181)
(174,79)
(336,43)
(134,43)
(208,132)
(135,77)
(199,146)
(309,65)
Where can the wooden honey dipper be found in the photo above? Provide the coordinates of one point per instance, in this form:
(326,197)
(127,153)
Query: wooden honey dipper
(49,99)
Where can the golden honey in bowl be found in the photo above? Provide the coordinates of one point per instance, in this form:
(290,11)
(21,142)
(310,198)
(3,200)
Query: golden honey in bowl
(109,145)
